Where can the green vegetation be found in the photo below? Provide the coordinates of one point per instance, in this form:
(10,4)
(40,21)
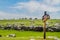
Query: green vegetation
(18,38)
(27,22)
(26,34)
(4,33)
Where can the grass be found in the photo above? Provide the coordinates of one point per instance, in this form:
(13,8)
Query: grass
(27,34)
(28,22)
(18,38)
(4,33)
(24,35)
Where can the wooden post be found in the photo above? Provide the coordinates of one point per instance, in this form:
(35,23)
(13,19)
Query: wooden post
(44,30)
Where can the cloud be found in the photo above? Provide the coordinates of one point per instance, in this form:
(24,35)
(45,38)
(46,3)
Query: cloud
(33,6)
(32,9)
(52,2)
(4,15)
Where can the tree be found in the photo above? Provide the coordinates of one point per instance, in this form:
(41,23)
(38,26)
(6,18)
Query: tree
(25,18)
(30,18)
(35,18)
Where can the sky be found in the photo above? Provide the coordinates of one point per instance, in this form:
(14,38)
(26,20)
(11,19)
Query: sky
(10,9)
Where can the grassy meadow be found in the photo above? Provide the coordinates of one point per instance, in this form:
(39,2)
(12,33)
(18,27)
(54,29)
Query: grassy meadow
(26,35)
(28,22)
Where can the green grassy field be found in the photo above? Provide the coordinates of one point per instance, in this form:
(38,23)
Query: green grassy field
(26,35)
(28,22)
(18,38)
(4,33)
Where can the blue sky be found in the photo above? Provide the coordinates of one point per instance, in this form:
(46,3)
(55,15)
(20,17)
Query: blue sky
(29,8)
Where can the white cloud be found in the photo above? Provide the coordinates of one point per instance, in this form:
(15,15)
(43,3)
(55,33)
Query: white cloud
(55,1)
(52,2)
(32,6)
(4,15)
(55,15)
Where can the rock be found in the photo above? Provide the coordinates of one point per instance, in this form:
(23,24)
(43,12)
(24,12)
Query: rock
(11,35)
